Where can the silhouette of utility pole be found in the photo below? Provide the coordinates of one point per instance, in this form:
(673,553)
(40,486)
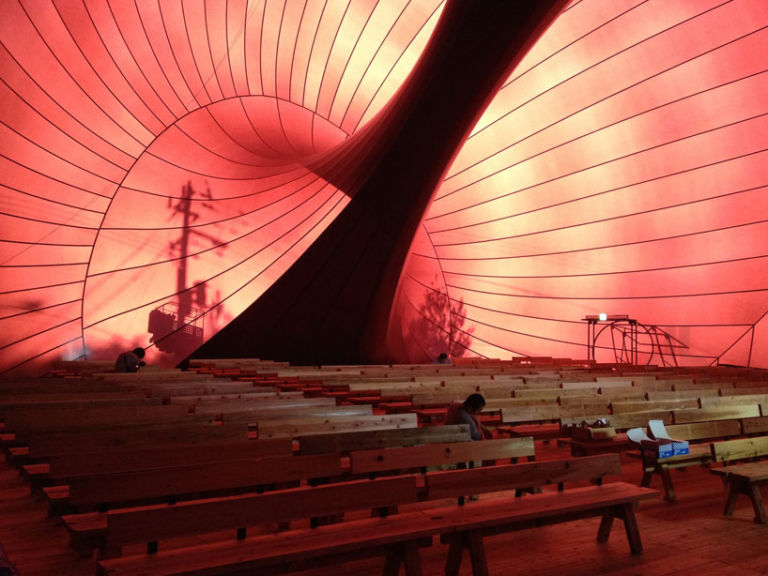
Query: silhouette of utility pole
(184,207)
(174,325)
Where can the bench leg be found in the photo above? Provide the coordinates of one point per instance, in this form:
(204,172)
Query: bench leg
(412,560)
(606,523)
(627,513)
(730,501)
(473,541)
(669,488)
(455,552)
(631,528)
(645,482)
(406,554)
(477,554)
(757,504)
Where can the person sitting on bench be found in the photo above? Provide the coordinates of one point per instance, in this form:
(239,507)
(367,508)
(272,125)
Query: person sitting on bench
(130,361)
(466,413)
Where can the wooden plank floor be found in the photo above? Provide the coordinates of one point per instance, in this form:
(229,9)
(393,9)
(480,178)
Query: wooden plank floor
(687,537)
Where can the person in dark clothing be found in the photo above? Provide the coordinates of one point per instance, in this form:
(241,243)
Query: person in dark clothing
(130,361)
(466,413)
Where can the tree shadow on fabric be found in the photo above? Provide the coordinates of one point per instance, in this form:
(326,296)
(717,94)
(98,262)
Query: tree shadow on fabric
(440,326)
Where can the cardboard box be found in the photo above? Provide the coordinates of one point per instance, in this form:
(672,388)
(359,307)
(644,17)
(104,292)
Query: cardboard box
(661,443)
(667,447)
(680,447)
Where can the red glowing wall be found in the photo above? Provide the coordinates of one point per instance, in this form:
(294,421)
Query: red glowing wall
(158,176)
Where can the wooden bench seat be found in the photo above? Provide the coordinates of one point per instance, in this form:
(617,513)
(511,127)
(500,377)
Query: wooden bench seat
(397,537)
(464,528)
(743,478)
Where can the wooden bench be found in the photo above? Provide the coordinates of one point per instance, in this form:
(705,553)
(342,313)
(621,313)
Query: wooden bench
(47,445)
(743,478)
(83,366)
(623,394)
(308,426)
(623,407)
(517,402)
(589,446)
(755,426)
(65,433)
(182,481)
(63,467)
(269,411)
(724,412)
(397,537)
(68,418)
(697,393)
(426,455)
(619,422)
(173,483)
(699,453)
(41,400)
(330,543)
(346,442)
(540,421)
(575,407)
(176,485)
(734,399)
(149,373)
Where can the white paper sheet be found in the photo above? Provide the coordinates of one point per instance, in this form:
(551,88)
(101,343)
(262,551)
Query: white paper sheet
(638,435)
(657,430)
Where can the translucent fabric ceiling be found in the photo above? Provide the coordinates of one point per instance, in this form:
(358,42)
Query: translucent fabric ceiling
(156,179)
(622,170)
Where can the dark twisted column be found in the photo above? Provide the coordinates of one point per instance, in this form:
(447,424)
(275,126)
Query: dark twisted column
(333,305)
